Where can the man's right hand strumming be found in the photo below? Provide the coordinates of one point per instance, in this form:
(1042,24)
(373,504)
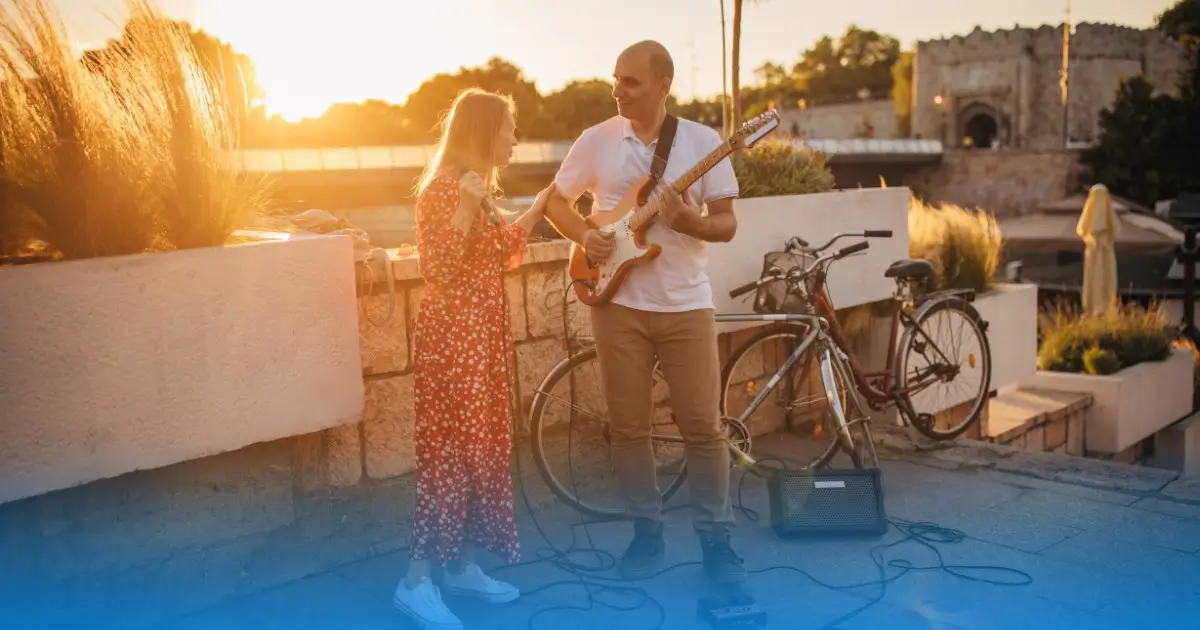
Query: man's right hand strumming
(597,245)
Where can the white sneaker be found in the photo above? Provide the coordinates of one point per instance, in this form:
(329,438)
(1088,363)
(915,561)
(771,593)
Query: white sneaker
(424,605)
(473,583)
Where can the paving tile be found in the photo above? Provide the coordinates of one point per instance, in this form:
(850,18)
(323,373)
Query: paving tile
(1059,487)
(1101,564)
(1123,523)
(1184,489)
(1186,511)
(1127,557)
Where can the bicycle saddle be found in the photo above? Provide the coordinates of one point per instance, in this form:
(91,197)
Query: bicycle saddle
(909,269)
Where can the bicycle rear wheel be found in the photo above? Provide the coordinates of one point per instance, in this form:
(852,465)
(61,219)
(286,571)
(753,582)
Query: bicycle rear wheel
(569,402)
(945,358)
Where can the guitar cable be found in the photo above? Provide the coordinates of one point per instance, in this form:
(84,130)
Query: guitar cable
(588,576)
(596,585)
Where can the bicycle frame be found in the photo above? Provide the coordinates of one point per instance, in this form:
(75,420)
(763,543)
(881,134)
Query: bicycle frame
(818,327)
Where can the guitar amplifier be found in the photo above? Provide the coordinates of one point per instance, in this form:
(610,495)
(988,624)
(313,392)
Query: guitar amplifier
(827,503)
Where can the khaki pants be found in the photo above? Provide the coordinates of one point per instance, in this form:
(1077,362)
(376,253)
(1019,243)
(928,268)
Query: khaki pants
(685,344)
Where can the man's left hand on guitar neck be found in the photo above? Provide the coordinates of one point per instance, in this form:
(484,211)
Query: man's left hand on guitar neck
(684,217)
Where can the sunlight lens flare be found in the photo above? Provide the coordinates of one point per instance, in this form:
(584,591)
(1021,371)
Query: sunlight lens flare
(308,57)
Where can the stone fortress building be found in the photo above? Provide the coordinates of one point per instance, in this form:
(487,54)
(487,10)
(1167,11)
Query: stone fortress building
(1004,86)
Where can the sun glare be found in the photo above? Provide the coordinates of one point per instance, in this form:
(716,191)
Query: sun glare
(309,57)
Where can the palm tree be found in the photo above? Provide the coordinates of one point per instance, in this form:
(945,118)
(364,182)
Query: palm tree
(736,61)
(724,80)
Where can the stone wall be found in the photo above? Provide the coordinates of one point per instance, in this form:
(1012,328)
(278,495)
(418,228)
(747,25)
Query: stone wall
(1005,182)
(846,120)
(130,550)
(1013,76)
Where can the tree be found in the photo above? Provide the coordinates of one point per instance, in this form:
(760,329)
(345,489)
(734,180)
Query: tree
(1136,134)
(579,105)
(1181,21)
(836,72)
(704,112)
(1146,148)
(902,92)
(735,64)
(434,97)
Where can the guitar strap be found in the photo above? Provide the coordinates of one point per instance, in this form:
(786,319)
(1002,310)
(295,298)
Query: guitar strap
(662,151)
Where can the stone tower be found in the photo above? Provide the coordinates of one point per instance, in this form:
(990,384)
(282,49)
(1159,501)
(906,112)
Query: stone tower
(1004,86)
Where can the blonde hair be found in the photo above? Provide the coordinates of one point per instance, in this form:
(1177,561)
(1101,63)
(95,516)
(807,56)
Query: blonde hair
(468,137)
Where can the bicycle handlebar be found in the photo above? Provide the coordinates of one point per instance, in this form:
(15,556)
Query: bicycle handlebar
(853,249)
(744,289)
(798,243)
(838,255)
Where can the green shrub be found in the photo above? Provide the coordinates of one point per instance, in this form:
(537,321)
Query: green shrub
(776,166)
(963,245)
(1101,361)
(1131,334)
(127,151)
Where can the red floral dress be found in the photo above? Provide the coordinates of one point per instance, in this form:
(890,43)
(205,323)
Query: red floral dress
(463,354)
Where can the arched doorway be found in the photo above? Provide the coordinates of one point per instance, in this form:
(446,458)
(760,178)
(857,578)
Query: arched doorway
(981,128)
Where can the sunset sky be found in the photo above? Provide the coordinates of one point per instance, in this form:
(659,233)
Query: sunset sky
(310,53)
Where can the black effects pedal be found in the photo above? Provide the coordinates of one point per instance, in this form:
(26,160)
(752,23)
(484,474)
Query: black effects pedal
(732,612)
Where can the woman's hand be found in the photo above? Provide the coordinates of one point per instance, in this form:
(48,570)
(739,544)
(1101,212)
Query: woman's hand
(537,211)
(471,191)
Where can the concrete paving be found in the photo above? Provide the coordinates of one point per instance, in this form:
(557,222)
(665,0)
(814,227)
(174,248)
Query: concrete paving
(1076,544)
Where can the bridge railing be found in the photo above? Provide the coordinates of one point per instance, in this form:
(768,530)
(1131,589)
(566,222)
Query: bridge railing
(416,156)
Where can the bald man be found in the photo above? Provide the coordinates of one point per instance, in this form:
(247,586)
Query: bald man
(664,309)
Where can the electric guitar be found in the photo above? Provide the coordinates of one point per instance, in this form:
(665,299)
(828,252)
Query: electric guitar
(595,284)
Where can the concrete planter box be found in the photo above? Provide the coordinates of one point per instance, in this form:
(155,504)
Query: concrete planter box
(127,363)
(765,224)
(1132,404)
(1011,313)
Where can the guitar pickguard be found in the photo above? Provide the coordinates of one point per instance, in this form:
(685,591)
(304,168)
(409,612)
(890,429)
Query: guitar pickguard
(625,250)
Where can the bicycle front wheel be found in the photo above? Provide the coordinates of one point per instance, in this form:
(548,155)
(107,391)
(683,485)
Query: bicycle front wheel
(846,406)
(569,433)
(944,366)
(794,400)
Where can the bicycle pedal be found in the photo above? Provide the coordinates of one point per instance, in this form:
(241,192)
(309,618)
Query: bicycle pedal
(926,419)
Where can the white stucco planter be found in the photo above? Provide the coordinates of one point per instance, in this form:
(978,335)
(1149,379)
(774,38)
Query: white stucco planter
(126,363)
(765,224)
(1011,312)
(1132,404)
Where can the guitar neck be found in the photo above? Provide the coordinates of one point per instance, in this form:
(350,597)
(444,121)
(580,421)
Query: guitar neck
(654,204)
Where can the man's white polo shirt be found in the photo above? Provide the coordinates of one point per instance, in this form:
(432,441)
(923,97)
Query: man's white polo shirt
(606,160)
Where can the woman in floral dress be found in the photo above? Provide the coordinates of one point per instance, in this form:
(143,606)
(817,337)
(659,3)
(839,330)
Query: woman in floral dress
(464,360)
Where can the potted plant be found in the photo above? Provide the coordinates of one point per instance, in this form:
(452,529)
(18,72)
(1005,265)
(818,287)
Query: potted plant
(1127,359)
(964,246)
(135,337)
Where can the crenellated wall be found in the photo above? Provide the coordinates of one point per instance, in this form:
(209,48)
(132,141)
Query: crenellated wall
(1013,75)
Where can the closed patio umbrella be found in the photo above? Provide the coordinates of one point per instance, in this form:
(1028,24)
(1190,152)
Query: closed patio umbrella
(1098,227)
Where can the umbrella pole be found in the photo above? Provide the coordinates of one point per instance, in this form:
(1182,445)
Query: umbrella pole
(1187,256)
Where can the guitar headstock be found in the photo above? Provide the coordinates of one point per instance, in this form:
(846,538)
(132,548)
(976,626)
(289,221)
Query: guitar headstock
(754,130)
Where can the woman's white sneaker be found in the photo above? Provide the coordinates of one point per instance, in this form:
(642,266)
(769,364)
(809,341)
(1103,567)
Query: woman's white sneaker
(424,605)
(472,582)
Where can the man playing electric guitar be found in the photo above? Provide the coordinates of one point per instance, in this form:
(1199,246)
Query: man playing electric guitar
(663,308)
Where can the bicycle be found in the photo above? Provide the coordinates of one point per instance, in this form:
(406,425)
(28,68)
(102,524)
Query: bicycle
(816,329)
(910,311)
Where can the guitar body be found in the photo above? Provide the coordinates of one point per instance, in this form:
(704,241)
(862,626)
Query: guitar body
(597,284)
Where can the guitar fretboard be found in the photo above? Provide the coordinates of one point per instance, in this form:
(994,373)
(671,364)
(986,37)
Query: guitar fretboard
(654,204)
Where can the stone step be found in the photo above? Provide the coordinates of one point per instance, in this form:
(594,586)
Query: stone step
(1039,420)
(1177,447)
